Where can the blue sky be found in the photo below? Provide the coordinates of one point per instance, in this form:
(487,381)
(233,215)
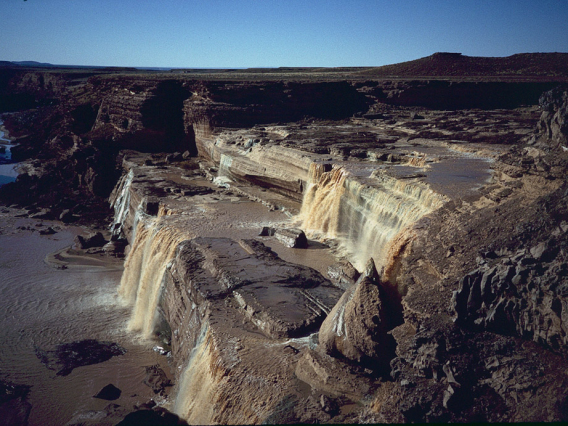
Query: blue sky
(246,33)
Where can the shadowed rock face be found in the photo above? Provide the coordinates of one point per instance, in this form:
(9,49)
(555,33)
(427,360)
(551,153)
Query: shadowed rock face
(520,289)
(14,409)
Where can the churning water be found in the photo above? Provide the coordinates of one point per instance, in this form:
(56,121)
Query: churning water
(42,307)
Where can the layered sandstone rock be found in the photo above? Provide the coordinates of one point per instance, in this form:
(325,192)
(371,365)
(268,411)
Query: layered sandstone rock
(229,309)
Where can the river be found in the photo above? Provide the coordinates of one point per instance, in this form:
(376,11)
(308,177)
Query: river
(41,307)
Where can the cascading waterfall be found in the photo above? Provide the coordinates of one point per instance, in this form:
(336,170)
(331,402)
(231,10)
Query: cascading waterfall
(363,219)
(196,384)
(154,246)
(121,203)
(223,175)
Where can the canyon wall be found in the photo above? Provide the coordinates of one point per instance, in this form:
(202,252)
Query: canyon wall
(432,285)
(397,325)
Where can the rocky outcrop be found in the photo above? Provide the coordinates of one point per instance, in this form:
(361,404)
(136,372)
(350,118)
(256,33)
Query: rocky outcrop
(68,356)
(444,373)
(451,95)
(521,295)
(495,351)
(553,125)
(357,327)
(229,305)
(519,288)
(281,299)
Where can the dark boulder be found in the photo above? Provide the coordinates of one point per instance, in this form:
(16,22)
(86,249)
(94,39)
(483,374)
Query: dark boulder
(69,356)
(109,392)
(290,237)
(92,240)
(156,379)
(293,238)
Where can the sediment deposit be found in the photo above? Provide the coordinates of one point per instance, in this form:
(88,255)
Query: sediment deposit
(431,287)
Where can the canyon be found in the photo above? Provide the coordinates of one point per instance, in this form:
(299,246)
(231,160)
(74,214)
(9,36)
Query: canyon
(336,246)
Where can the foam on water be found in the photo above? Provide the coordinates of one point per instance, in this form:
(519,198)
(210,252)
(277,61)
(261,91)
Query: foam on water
(364,219)
(42,307)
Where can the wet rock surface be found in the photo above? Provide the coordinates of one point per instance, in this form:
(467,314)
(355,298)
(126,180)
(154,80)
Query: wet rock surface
(156,379)
(281,299)
(357,327)
(68,356)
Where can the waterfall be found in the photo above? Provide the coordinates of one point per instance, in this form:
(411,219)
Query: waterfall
(121,203)
(364,219)
(154,246)
(197,382)
(223,178)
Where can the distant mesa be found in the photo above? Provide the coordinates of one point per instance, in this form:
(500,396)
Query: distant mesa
(449,64)
(440,64)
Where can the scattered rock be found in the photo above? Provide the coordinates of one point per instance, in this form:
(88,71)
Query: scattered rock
(67,216)
(115,248)
(174,158)
(343,274)
(290,237)
(48,231)
(109,392)
(69,356)
(92,240)
(43,214)
(156,379)
(293,238)
(266,231)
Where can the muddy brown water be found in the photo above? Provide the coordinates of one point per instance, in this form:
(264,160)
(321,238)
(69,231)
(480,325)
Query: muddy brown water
(42,307)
